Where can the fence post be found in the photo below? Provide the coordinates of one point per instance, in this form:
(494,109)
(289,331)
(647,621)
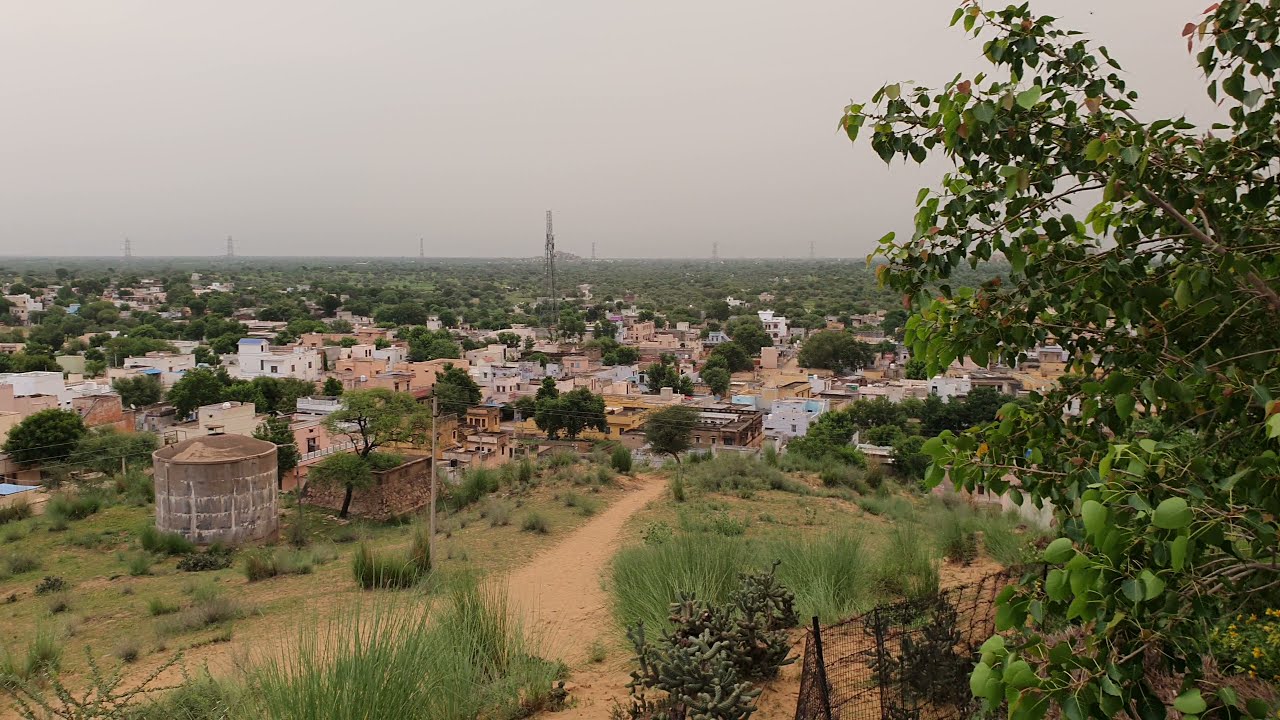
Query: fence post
(881,671)
(823,688)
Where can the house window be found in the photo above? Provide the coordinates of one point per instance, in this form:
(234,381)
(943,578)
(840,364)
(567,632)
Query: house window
(275,368)
(312,445)
(793,428)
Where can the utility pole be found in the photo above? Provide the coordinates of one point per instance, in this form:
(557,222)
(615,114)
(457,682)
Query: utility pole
(435,417)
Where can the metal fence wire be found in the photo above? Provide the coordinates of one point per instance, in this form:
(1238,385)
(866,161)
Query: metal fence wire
(906,661)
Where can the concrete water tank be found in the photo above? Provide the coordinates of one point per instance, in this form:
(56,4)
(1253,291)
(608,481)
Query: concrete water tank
(217,488)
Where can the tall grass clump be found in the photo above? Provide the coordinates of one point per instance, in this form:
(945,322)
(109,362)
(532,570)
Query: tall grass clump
(373,570)
(1006,537)
(734,472)
(265,564)
(829,575)
(647,577)
(467,659)
(906,566)
(73,507)
(164,543)
(20,510)
(43,655)
(476,483)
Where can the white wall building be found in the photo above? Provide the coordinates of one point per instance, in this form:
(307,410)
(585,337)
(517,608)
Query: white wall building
(950,387)
(256,358)
(775,325)
(791,418)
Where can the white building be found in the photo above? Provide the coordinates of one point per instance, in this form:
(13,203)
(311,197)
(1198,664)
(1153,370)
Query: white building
(791,418)
(950,387)
(21,307)
(256,358)
(775,325)
(169,366)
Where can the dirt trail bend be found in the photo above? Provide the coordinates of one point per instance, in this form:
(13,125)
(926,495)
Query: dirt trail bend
(559,594)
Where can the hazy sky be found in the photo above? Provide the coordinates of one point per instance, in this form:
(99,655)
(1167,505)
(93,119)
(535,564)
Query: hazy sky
(653,128)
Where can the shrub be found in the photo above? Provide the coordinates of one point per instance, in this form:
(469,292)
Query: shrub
(44,652)
(874,476)
(596,652)
(139,563)
(73,507)
(842,476)
(58,603)
(159,606)
(604,475)
(1249,644)
(584,505)
(263,564)
(892,506)
(525,471)
(732,473)
(727,525)
(476,483)
(534,522)
(562,459)
(164,543)
(51,584)
(498,513)
(88,541)
(210,608)
(19,510)
(646,578)
(956,537)
(677,489)
(127,651)
(19,563)
(12,534)
(620,460)
(211,559)
(656,533)
(377,571)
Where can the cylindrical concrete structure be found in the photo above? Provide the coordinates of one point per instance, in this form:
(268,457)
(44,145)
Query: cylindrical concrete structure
(217,488)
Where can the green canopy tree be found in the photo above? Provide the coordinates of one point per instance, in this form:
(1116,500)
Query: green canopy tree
(455,391)
(570,413)
(332,387)
(276,430)
(749,334)
(103,448)
(47,436)
(669,431)
(202,386)
(371,419)
(835,350)
(139,390)
(717,378)
(1150,250)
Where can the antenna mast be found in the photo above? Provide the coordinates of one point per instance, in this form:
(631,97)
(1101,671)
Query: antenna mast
(128,248)
(422,249)
(811,254)
(551,274)
(231,247)
(715,252)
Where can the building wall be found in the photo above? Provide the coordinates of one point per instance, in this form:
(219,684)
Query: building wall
(230,502)
(396,492)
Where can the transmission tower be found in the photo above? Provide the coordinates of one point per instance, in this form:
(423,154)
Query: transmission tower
(593,251)
(715,252)
(231,247)
(551,273)
(811,253)
(128,248)
(422,249)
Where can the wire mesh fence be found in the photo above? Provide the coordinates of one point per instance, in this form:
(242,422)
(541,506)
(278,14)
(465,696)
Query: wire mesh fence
(906,661)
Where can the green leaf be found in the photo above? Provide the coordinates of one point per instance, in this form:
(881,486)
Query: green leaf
(1124,406)
(1059,551)
(1228,696)
(933,447)
(1190,702)
(1178,552)
(1093,150)
(1028,98)
(1130,155)
(1172,514)
(1152,585)
(1095,517)
(1019,674)
(984,112)
(1055,585)
(1182,294)
(978,679)
(1257,708)
(893,91)
(920,196)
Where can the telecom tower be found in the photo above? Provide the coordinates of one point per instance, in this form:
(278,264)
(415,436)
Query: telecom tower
(231,247)
(811,254)
(128,248)
(593,251)
(715,252)
(551,272)
(422,249)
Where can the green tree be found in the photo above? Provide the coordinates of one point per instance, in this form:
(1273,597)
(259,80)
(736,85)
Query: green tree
(916,369)
(199,387)
(276,430)
(509,339)
(669,431)
(204,355)
(103,448)
(455,391)
(332,387)
(547,390)
(717,378)
(571,413)
(47,436)
(1164,293)
(371,419)
(835,350)
(346,470)
(909,460)
(736,358)
(749,334)
(139,390)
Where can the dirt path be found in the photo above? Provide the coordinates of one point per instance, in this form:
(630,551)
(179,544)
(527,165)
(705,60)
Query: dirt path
(560,593)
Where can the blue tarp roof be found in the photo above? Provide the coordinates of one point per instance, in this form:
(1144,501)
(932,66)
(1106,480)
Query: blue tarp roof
(9,489)
(150,371)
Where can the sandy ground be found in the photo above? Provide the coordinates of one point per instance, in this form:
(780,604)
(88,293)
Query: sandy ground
(560,594)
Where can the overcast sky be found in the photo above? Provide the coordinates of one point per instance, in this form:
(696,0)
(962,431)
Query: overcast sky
(653,128)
